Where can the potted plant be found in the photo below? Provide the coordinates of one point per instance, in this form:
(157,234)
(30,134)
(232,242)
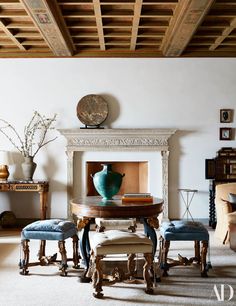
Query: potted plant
(33,140)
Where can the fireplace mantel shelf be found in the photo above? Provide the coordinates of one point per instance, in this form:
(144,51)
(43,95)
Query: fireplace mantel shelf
(117,139)
(82,140)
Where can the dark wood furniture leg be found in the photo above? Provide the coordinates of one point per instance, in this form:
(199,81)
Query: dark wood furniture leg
(84,226)
(131,265)
(41,252)
(146,273)
(43,196)
(97,277)
(76,256)
(165,250)
(203,265)
(25,262)
(62,249)
(197,251)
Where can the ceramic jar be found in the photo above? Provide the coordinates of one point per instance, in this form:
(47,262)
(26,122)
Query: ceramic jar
(106,182)
(28,167)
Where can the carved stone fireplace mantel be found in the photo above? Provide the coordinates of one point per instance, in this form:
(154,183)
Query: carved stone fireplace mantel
(118,140)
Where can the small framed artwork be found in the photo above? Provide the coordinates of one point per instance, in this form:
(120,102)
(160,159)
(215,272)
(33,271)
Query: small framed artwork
(225,133)
(226,115)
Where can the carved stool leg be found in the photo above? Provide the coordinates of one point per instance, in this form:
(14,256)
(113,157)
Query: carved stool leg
(197,251)
(62,249)
(160,251)
(165,250)
(25,262)
(42,246)
(146,275)
(75,251)
(203,258)
(131,265)
(97,276)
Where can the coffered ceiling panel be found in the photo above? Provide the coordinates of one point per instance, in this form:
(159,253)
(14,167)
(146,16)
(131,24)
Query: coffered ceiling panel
(117,28)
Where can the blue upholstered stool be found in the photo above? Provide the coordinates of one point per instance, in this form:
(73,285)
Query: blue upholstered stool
(43,230)
(185,231)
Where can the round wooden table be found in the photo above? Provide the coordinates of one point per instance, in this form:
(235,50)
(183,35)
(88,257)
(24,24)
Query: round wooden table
(87,208)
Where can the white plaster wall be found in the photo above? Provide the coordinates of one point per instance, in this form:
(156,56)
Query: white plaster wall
(186,94)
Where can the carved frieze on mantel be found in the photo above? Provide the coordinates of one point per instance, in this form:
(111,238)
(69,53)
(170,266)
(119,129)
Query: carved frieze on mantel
(118,140)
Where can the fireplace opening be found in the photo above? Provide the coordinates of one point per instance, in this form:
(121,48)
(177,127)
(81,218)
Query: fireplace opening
(134,181)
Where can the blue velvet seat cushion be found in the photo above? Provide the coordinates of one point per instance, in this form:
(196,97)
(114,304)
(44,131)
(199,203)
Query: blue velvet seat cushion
(184,230)
(54,229)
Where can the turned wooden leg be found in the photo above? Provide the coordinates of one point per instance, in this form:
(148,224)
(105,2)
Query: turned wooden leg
(165,250)
(25,262)
(146,275)
(42,246)
(203,258)
(62,249)
(75,251)
(131,265)
(97,276)
(160,251)
(197,251)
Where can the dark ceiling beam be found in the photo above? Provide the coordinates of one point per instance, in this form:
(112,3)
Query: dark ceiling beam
(47,17)
(187,16)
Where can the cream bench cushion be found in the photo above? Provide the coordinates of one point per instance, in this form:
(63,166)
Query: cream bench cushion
(120,242)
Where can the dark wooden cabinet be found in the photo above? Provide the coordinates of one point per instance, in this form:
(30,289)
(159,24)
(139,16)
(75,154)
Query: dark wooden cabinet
(219,170)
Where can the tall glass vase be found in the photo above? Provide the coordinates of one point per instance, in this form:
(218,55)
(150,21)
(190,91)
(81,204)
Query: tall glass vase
(28,167)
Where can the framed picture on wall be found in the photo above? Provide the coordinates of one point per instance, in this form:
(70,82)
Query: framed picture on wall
(225,133)
(226,115)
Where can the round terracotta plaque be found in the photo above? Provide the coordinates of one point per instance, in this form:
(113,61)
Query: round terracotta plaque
(92,110)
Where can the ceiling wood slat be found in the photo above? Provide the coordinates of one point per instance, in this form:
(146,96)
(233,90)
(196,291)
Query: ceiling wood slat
(224,35)
(98,16)
(47,17)
(136,19)
(11,36)
(187,17)
(111,28)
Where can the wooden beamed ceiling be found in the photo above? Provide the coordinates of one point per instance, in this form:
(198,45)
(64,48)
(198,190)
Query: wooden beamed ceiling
(117,28)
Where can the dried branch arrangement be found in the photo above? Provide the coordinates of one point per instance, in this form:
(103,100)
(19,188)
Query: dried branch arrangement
(35,133)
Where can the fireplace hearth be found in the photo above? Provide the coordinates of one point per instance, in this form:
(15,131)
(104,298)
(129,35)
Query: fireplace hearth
(117,140)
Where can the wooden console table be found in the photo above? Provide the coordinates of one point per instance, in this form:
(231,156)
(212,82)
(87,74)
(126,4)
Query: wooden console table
(29,186)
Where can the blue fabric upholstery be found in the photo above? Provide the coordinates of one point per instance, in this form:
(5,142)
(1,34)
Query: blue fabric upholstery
(184,230)
(54,229)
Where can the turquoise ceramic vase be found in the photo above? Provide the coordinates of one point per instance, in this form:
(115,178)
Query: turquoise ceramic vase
(106,182)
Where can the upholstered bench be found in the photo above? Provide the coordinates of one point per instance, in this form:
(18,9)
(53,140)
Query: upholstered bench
(120,242)
(43,230)
(183,231)
(103,224)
